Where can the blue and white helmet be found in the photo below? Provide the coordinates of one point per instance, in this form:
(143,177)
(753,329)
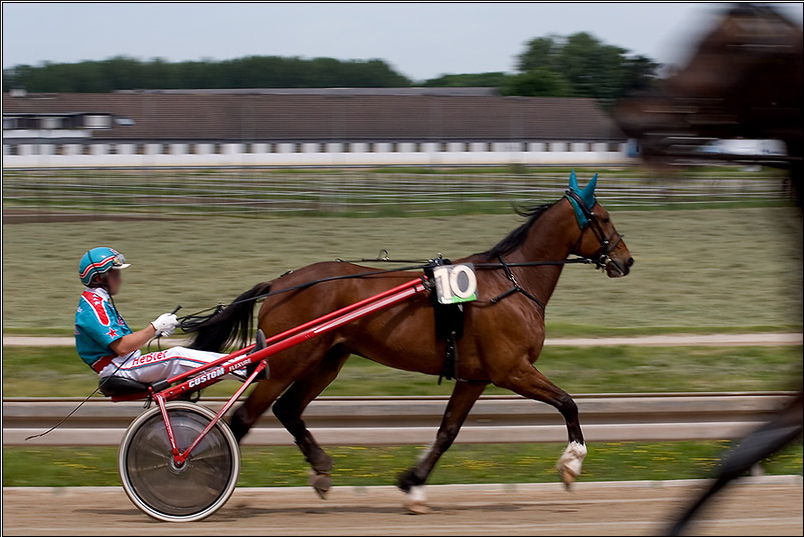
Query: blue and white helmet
(99,261)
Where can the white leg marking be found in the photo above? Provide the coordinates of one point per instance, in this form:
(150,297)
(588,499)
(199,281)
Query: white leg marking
(570,463)
(416,501)
(417,494)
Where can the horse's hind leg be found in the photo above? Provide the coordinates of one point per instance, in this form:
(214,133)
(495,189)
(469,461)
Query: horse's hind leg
(285,369)
(460,403)
(288,409)
(264,394)
(529,382)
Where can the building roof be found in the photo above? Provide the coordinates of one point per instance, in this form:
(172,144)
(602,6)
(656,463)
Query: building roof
(250,116)
(464,91)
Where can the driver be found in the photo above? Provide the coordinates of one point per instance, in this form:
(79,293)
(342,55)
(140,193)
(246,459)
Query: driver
(106,343)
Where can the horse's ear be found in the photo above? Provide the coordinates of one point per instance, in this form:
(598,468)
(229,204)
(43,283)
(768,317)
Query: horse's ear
(573,181)
(588,193)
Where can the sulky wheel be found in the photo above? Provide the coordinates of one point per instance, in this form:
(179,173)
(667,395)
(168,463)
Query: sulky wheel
(192,491)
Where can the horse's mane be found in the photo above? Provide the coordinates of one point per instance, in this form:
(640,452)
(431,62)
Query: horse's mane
(517,237)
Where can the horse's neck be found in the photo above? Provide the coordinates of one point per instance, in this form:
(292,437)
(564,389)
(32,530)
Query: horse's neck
(547,241)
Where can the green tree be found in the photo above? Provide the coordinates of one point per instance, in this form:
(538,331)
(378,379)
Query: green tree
(589,67)
(121,72)
(494,79)
(541,82)
(539,53)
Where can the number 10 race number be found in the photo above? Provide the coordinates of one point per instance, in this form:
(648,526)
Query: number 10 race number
(455,283)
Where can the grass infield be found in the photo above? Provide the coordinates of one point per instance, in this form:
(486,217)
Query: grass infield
(709,269)
(364,466)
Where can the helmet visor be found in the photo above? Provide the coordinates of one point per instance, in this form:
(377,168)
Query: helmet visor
(119,262)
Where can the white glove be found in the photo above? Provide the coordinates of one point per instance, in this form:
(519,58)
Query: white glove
(165,324)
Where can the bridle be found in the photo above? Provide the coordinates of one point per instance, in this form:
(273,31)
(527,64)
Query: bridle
(607,244)
(600,258)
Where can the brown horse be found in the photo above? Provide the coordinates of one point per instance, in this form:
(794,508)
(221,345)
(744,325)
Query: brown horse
(502,339)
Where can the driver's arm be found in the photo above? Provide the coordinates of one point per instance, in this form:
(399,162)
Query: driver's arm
(164,324)
(132,342)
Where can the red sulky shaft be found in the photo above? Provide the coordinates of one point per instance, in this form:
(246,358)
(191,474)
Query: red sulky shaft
(276,344)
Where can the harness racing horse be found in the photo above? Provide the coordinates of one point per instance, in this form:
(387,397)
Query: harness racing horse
(502,338)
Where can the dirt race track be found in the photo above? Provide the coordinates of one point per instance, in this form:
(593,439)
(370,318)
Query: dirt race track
(756,506)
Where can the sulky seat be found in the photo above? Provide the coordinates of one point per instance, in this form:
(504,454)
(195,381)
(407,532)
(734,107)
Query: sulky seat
(119,386)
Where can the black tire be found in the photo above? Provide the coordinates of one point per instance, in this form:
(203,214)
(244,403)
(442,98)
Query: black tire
(153,482)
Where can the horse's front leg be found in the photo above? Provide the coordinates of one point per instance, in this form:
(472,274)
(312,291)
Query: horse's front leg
(460,403)
(529,382)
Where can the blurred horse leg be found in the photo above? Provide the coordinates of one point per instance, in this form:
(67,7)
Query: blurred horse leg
(289,408)
(266,391)
(460,403)
(781,430)
(286,367)
(531,383)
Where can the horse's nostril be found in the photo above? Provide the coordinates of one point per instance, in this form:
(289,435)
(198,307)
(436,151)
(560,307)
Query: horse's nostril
(630,261)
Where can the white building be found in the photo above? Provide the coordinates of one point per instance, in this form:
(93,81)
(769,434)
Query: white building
(306,127)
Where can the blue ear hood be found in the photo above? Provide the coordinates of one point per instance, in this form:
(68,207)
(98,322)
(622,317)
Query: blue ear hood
(587,195)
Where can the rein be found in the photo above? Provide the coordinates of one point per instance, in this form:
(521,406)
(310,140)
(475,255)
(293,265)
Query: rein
(516,288)
(192,321)
(600,258)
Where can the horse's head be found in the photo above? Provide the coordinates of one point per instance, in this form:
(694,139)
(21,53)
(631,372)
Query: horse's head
(597,240)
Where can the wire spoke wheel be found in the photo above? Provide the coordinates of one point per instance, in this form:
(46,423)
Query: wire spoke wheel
(185,493)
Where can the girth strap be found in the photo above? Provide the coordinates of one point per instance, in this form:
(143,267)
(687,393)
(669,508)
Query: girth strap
(450,368)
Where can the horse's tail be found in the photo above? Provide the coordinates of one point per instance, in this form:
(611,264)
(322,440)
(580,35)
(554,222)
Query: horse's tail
(231,325)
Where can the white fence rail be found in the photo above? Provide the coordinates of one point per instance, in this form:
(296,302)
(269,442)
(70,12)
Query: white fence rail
(249,191)
(415,420)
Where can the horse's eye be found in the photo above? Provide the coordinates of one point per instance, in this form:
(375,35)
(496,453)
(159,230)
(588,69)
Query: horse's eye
(606,220)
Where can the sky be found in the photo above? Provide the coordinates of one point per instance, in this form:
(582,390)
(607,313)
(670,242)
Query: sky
(419,40)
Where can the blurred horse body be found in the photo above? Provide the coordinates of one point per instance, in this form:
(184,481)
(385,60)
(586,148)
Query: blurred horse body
(744,80)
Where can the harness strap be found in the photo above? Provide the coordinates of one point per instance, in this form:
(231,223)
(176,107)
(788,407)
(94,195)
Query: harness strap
(450,368)
(516,288)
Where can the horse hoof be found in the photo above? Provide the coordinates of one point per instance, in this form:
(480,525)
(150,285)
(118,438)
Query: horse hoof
(569,465)
(567,477)
(321,483)
(418,508)
(416,501)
